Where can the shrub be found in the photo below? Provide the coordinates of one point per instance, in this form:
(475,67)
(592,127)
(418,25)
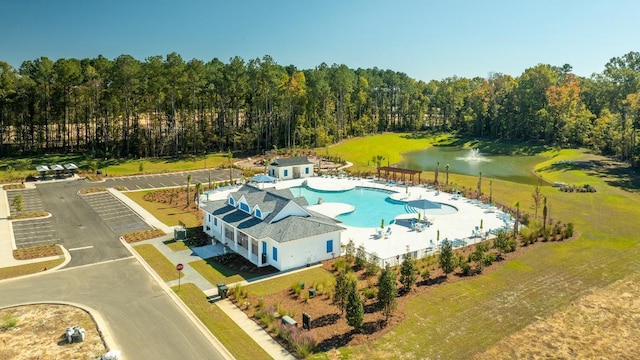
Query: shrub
(369,293)
(488,259)
(568,231)
(465,268)
(265,317)
(260,303)
(296,288)
(303,342)
(340,265)
(8,322)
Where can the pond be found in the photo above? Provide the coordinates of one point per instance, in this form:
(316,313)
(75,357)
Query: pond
(515,168)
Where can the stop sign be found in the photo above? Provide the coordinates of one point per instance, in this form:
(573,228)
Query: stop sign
(179,267)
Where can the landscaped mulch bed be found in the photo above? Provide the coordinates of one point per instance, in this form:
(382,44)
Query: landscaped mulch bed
(28,215)
(143,235)
(92,190)
(36,252)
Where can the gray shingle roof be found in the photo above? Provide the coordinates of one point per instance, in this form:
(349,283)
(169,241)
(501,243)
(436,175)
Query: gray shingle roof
(287,229)
(292,161)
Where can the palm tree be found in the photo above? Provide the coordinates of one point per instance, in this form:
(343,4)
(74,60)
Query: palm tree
(197,194)
(435,176)
(446,175)
(188,188)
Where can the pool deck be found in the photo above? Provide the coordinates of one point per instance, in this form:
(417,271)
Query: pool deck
(462,226)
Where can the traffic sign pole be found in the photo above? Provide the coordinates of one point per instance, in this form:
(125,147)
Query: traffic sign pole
(179,267)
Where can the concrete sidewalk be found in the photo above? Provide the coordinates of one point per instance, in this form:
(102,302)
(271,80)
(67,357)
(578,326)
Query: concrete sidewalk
(255,331)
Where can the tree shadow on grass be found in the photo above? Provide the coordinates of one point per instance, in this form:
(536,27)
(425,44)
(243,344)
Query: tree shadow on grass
(433,281)
(613,173)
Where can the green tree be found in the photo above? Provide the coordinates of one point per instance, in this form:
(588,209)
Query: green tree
(341,290)
(196,196)
(350,251)
(537,197)
(18,203)
(188,189)
(408,272)
(387,291)
(446,175)
(354,308)
(361,257)
(445,259)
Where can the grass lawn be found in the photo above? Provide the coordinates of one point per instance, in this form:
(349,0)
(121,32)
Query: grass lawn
(160,264)
(20,270)
(152,166)
(176,245)
(458,320)
(216,273)
(273,285)
(168,215)
(220,325)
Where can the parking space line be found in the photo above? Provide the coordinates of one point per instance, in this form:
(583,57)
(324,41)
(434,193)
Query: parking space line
(81,248)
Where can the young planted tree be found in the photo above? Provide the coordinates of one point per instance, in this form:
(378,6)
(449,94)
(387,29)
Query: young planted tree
(435,174)
(18,203)
(445,259)
(446,175)
(188,189)
(544,216)
(408,273)
(196,196)
(480,186)
(341,291)
(515,223)
(537,198)
(387,291)
(355,309)
(350,251)
(361,258)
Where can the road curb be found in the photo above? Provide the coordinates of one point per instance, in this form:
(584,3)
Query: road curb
(185,309)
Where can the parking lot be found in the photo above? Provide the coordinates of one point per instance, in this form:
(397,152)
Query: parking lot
(171,180)
(115,214)
(35,232)
(31,201)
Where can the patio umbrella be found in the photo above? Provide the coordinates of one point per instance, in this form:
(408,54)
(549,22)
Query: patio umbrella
(423,205)
(262,178)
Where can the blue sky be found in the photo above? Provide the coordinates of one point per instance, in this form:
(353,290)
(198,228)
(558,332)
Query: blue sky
(424,39)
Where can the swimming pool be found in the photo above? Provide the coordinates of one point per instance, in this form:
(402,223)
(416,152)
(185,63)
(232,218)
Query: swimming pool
(371,205)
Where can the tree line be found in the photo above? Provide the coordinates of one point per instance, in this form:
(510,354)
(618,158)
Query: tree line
(168,106)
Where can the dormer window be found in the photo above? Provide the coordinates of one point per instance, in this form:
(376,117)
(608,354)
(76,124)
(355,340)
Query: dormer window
(231,201)
(258,214)
(245,207)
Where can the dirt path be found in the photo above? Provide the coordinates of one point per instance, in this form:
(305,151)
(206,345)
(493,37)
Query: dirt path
(38,333)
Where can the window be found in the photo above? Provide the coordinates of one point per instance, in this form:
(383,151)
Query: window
(306,170)
(244,207)
(286,172)
(329,246)
(209,221)
(275,253)
(258,213)
(264,247)
(232,202)
(215,221)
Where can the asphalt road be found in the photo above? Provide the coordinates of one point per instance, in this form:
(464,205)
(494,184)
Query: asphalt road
(144,322)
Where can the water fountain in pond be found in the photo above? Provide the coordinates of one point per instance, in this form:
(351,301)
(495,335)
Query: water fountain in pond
(474,156)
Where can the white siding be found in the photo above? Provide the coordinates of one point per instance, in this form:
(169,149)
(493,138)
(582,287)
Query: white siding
(290,209)
(299,253)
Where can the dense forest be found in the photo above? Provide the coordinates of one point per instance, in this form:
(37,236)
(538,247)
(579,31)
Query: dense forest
(166,106)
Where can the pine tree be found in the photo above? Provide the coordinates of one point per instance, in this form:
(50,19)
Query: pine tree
(447,263)
(188,189)
(408,273)
(355,309)
(340,294)
(387,291)
(361,258)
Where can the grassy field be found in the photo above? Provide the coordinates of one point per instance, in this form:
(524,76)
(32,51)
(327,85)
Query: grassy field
(458,320)
(17,169)
(20,270)
(309,277)
(167,214)
(160,264)
(221,326)
(216,273)
(176,245)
